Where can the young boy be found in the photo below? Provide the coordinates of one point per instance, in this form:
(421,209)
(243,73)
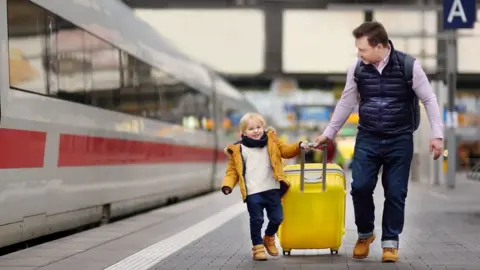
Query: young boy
(256,165)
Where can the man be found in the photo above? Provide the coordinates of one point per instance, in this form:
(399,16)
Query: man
(385,136)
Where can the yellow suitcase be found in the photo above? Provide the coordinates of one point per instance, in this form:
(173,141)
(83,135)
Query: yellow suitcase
(313,207)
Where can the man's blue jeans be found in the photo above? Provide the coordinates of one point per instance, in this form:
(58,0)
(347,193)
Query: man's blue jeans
(394,153)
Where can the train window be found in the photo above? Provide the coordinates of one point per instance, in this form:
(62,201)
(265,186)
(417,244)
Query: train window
(51,56)
(69,62)
(104,72)
(26,32)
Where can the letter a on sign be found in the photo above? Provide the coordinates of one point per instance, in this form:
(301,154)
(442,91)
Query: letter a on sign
(459,14)
(457,11)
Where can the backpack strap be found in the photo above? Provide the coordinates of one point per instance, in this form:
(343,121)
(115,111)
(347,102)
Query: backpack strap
(358,70)
(408,70)
(408,75)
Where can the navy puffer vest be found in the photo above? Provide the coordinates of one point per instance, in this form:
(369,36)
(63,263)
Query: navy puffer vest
(386,101)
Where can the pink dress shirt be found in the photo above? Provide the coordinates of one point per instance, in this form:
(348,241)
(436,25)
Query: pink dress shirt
(421,86)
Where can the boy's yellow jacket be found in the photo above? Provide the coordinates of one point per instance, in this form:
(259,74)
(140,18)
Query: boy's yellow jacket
(277,150)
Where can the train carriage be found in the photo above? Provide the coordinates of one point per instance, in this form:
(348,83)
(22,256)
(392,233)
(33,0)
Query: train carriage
(100,117)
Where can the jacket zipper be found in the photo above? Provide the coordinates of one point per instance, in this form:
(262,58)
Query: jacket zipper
(244,171)
(270,161)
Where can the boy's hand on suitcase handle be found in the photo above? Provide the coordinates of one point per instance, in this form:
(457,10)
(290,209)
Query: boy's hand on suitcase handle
(226,190)
(307,145)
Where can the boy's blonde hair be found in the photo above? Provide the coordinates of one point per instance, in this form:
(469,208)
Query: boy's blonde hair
(251,116)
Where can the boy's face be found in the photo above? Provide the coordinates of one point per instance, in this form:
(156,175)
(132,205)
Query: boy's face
(254,130)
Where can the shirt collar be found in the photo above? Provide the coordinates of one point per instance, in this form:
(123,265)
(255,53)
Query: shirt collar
(385,60)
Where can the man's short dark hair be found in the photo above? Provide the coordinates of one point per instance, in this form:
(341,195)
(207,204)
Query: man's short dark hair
(374,31)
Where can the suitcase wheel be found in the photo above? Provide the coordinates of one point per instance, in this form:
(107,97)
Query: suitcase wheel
(333,251)
(286,253)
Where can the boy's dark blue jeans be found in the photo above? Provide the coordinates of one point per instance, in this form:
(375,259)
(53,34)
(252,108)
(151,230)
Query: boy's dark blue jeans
(394,153)
(269,200)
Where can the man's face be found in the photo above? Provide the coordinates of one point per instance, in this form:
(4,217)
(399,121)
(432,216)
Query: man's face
(367,53)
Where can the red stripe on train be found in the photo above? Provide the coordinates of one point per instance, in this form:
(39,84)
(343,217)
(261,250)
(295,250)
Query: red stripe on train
(22,148)
(77,150)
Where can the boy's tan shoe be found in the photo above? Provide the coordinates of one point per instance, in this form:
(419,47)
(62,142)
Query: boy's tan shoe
(269,242)
(259,253)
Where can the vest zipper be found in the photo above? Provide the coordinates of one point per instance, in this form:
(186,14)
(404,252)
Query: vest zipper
(381,99)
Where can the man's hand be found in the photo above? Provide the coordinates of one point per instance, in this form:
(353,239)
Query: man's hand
(436,147)
(319,141)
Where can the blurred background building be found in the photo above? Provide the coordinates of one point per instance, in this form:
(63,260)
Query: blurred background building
(289,57)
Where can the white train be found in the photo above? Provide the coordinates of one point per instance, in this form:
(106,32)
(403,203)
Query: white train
(94,105)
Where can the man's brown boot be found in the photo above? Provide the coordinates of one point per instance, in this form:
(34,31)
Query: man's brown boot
(390,255)
(362,248)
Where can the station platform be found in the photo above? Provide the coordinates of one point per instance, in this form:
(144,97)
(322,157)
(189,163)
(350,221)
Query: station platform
(442,231)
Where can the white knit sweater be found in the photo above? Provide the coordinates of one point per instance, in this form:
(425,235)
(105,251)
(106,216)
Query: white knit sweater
(258,170)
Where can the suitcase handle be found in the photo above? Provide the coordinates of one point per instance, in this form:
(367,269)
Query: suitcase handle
(324,167)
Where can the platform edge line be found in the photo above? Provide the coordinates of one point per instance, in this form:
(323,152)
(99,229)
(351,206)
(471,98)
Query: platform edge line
(152,255)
